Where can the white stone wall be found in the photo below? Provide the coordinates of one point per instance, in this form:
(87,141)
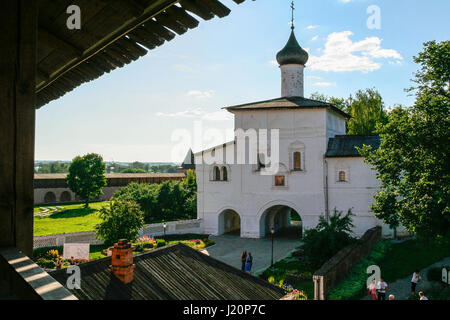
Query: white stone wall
(250,194)
(39,194)
(292,80)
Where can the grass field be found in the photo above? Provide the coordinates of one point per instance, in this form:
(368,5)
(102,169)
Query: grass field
(76,218)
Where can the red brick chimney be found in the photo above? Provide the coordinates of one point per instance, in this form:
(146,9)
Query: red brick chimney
(122,261)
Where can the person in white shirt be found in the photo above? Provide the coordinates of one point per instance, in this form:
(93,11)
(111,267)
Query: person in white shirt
(422,296)
(382,287)
(414,280)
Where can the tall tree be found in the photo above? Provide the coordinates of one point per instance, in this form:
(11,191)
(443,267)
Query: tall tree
(413,159)
(86,176)
(366,109)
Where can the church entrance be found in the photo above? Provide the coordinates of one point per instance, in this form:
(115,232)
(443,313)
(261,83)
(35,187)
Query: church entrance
(283,220)
(230,223)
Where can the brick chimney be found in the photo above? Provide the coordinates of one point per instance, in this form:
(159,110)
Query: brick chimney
(122,261)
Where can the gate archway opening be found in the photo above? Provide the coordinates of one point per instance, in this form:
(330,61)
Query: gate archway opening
(65,197)
(50,197)
(229,223)
(285,221)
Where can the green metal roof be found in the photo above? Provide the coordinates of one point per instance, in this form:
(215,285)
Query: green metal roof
(345,145)
(292,53)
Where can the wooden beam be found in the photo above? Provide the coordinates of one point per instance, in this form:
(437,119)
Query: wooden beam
(182,16)
(217,8)
(54,41)
(18,22)
(165,19)
(197,9)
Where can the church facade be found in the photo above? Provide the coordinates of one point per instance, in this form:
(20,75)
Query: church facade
(317,169)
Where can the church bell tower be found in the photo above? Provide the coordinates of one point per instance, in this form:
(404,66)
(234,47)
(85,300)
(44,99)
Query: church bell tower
(292,59)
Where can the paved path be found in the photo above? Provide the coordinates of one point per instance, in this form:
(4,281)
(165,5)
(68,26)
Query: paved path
(228,249)
(401,288)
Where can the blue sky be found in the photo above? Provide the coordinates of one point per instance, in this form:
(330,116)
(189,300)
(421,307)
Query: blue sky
(152,109)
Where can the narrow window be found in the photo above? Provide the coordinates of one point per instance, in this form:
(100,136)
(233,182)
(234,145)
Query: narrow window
(341,176)
(224,174)
(279,181)
(297,161)
(216,174)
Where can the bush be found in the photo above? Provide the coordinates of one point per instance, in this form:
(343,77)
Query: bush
(42,251)
(121,220)
(52,254)
(46,263)
(328,237)
(160,243)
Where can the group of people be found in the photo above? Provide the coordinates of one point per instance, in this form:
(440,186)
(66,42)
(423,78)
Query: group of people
(246,261)
(377,291)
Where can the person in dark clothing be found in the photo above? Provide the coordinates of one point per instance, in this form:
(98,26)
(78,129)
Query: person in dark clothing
(249,263)
(243,259)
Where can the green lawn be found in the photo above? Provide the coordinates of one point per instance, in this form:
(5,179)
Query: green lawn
(76,218)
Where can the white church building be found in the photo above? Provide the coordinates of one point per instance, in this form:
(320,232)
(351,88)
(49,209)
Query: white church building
(318,167)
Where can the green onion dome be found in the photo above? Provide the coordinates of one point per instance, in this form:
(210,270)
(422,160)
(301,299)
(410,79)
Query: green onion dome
(292,53)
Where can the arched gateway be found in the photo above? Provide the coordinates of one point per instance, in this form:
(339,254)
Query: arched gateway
(282,218)
(229,222)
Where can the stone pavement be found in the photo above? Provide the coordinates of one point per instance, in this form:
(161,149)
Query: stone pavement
(228,249)
(401,288)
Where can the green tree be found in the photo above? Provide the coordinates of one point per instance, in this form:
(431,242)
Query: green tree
(366,110)
(133,170)
(86,177)
(412,161)
(340,103)
(328,237)
(120,220)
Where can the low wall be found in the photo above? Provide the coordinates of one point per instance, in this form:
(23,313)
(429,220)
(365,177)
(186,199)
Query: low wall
(338,267)
(156,229)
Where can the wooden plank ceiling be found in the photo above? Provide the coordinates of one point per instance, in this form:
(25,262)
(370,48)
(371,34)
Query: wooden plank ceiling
(113,33)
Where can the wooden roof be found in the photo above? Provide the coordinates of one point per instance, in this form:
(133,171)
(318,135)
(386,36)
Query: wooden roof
(44,176)
(113,33)
(175,272)
(286,103)
(345,145)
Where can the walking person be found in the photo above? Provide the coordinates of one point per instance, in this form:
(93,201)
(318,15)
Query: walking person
(382,287)
(372,290)
(249,263)
(243,259)
(422,296)
(414,280)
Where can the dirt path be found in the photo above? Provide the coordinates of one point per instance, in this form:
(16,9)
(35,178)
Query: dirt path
(401,288)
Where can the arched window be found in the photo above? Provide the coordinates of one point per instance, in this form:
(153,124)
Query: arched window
(216,174)
(224,174)
(297,161)
(341,176)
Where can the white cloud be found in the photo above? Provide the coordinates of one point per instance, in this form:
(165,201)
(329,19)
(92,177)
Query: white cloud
(311,27)
(342,54)
(273,63)
(199,113)
(315,38)
(200,94)
(325,84)
(314,77)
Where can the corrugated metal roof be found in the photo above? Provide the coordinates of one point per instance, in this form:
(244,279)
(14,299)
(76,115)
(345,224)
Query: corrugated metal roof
(175,272)
(345,145)
(286,103)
